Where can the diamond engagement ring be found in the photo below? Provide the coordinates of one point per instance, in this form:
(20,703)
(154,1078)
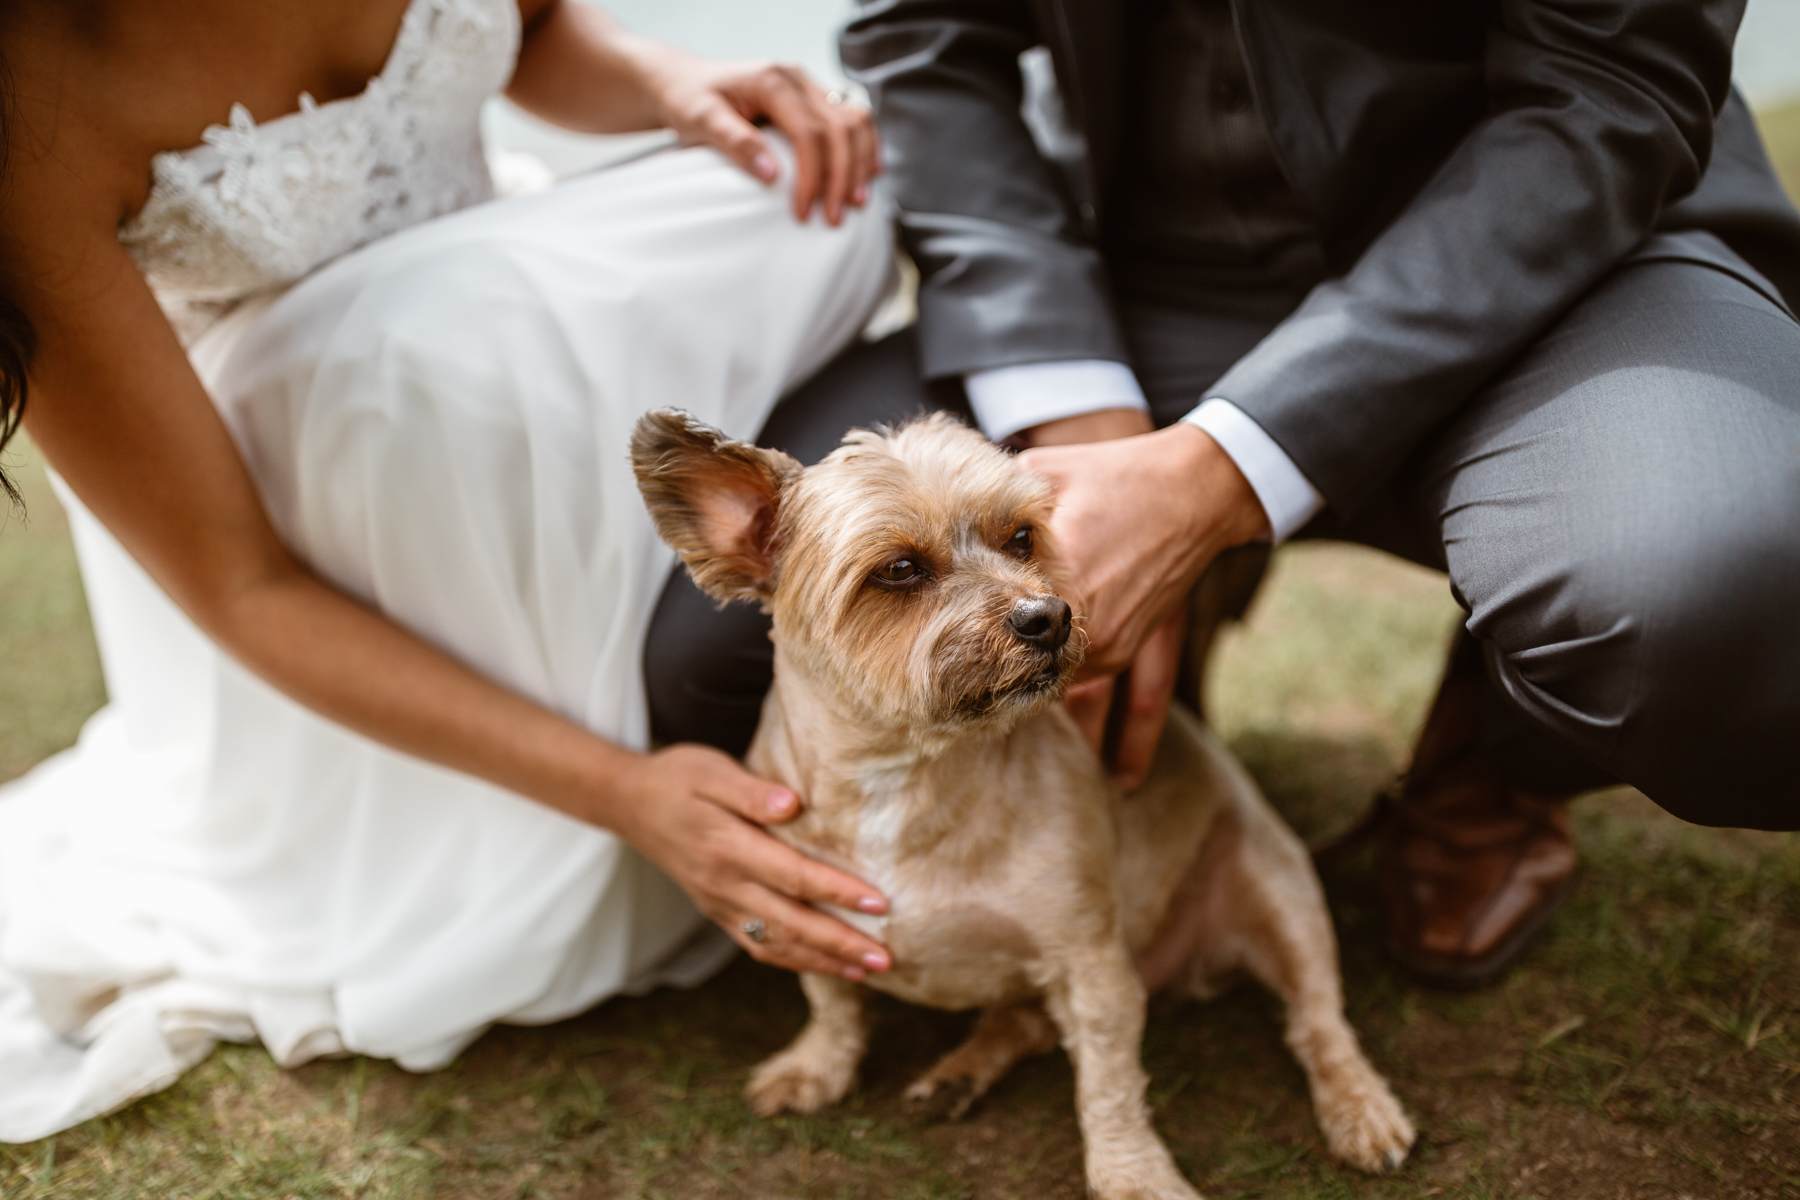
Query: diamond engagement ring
(755,930)
(835,97)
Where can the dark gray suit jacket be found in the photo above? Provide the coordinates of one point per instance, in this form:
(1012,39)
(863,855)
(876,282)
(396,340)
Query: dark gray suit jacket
(1473,165)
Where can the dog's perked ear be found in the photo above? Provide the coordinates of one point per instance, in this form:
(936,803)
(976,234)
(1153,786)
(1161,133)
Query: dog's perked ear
(713,499)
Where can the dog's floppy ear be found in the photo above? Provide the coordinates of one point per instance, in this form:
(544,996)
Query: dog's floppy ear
(713,499)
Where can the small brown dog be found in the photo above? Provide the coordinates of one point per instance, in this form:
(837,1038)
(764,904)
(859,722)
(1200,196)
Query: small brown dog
(920,651)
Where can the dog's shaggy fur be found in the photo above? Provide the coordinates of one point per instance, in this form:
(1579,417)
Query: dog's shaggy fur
(920,723)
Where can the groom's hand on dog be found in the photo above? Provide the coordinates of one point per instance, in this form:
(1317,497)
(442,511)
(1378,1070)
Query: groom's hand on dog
(701,817)
(1139,515)
(1122,716)
(1121,713)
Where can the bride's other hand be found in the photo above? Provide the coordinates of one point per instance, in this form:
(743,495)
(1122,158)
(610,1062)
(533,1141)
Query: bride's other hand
(836,151)
(700,817)
(580,69)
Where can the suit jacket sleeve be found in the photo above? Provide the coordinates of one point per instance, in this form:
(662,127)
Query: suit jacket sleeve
(1006,276)
(1601,112)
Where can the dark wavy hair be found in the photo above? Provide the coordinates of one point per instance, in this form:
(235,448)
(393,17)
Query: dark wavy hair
(17,337)
(16,341)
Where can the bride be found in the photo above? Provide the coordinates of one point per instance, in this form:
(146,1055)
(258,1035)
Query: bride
(344,447)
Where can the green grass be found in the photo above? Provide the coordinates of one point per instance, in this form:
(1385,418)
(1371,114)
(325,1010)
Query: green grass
(49,670)
(1648,1048)
(1781,129)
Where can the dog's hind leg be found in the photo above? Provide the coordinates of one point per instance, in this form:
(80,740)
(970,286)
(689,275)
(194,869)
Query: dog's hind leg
(819,1066)
(1264,902)
(1002,1038)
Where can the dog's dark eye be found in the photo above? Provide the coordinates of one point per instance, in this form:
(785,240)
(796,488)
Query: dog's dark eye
(1019,544)
(902,572)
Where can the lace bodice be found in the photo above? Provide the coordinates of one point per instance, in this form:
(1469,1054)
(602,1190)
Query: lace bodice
(256,206)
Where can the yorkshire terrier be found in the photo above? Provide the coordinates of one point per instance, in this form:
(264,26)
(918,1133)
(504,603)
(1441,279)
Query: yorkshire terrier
(921,649)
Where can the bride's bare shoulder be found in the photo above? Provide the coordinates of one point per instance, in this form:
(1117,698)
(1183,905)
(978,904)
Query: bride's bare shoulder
(105,84)
(72,110)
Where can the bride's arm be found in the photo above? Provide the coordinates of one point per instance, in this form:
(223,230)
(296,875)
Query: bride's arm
(118,411)
(580,69)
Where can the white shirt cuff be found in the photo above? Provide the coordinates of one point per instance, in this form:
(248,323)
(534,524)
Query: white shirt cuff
(1288,497)
(1008,399)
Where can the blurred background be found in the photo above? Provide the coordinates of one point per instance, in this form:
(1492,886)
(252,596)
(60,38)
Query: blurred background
(1650,1048)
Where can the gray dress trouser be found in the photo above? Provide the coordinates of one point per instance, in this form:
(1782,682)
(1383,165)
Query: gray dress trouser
(1618,514)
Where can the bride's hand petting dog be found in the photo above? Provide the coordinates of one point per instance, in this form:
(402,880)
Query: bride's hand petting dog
(921,649)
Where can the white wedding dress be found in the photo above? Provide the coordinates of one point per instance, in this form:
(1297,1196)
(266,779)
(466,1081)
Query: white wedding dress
(434,393)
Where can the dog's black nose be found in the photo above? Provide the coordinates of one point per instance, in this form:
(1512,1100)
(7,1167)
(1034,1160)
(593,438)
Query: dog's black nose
(1042,621)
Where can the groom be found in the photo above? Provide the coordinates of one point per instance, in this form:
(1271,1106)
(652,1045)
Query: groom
(1506,288)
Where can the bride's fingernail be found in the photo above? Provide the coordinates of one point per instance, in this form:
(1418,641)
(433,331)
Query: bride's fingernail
(781,804)
(861,195)
(766,167)
(876,961)
(872,904)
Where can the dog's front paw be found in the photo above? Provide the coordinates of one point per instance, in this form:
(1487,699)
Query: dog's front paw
(1175,1191)
(1148,1175)
(1366,1127)
(1172,1187)
(792,1083)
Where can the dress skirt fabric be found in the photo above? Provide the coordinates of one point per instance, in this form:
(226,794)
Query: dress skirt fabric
(438,423)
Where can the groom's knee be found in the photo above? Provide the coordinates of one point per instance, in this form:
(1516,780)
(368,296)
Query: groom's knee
(706,669)
(1664,648)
